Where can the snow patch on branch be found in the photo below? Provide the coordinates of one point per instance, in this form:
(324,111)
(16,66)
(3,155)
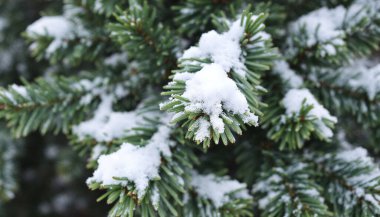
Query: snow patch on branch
(274,187)
(362,184)
(210,90)
(60,28)
(287,75)
(108,124)
(135,164)
(295,99)
(363,76)
(327,27)
(321,26)
(15,89)
(220,190)
(223,49)
(57,27)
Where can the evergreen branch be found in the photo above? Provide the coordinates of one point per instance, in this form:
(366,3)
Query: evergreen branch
(355,86)
(290,191)
(73,43)
(196,15)
(52,105)
(351,182)
(213,196)
(241,79)
(353,33)
(44,105)
(140,33)
(303,117)
(147,195)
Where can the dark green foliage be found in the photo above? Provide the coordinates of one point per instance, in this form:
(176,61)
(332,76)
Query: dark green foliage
(139,32)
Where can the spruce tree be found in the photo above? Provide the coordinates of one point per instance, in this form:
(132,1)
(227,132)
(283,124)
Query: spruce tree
(203,107)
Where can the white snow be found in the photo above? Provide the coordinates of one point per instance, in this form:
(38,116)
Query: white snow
(224,49)
(293,102)
(355,154)
(211,91)
(366,78)
(21,90)
(138,165)
(116,59)
(107,124)
(60,28)
(220,190)
(287,75)
(275,186)
(322,25)
(97,150)
(203,130)
(328,26)
(57,27)
(155,197)
(363,183)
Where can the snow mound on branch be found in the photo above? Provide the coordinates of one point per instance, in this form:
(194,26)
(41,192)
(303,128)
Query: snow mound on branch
(57,27)
(220,190)
(60,28)
(287,75)
(210,90)
(107,124)
(296,98)
(14,88)
(321,25)
(364,77)
(223,49)
(362,184)
(54,26)
(133,163)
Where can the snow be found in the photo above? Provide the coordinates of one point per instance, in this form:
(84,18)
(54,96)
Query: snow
(366,78)
(361,75)
(97,150)
(137,164)
(362,183)
(187,11)
(203,129)
(287,75)
(293,102)
(106,124)
(328,27)
(116,59)
(155,197)
(352,155)
(20,90)
(60,28)
(220,190)
(223,49)
(274,186)
(210,90)
(57,27)
(322,25)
